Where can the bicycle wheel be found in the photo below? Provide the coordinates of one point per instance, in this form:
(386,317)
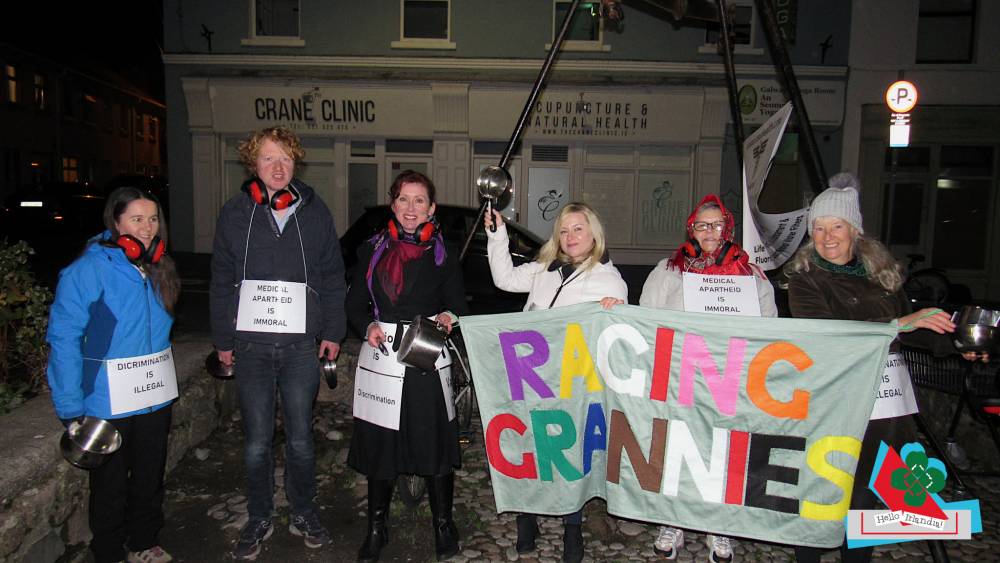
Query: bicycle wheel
(462,388)
(411,489)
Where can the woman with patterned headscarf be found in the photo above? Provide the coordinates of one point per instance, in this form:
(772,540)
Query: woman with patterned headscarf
(709,250)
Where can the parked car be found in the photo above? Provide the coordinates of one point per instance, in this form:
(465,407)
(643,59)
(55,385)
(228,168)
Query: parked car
(482,295)
(55,219)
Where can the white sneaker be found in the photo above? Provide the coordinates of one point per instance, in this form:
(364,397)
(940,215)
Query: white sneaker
(720,549)
(669,541)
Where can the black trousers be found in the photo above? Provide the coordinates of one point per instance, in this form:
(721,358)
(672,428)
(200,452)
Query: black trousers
(126,493)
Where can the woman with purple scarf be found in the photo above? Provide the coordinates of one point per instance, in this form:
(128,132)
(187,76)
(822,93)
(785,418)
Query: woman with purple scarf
(404,419)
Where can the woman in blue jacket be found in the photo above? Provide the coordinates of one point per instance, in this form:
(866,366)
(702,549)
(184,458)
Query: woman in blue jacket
(109,332)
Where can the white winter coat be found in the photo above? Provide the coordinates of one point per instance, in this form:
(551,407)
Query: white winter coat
(664,289)
(591,285)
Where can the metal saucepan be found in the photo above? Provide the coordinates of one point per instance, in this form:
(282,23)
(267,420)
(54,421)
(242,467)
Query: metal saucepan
(977,329)
(421,344)
(89,442)
(218,369)
(494,184)
(328,371)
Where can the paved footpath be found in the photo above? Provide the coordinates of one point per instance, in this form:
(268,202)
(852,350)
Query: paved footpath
(205,508)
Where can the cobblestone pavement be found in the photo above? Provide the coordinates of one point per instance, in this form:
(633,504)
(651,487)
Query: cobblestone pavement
(206,507)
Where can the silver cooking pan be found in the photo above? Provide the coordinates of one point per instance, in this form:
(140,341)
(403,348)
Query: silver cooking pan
(421,344)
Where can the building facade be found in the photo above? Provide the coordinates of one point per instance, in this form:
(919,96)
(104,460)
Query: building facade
(633,120)
(938,197)
(70,124)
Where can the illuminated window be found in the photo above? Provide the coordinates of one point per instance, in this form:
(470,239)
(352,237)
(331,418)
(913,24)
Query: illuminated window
(424,24)
(41,96)
(10,77)
(70,170)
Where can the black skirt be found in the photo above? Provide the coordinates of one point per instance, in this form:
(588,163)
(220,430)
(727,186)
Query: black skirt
(426,442)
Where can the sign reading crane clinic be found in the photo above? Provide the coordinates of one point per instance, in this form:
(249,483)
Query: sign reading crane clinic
(323,110)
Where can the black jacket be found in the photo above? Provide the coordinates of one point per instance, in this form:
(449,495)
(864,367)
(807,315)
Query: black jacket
(278,256)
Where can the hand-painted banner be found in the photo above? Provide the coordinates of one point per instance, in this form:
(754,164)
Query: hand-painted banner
(736,425)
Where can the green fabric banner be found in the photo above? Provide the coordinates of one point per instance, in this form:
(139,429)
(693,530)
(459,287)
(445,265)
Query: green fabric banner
(736,425)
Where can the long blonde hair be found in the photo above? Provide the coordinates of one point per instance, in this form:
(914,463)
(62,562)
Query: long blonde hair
(551,250)
(882,268)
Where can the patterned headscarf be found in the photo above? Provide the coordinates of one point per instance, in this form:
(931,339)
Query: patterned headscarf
(737,263)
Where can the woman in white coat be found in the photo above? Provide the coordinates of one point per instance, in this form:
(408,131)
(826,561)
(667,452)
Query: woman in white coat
(572,267)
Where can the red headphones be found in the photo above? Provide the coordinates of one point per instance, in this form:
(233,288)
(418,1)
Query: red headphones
(283,199)
(137,253)
(424,232)
(728,252)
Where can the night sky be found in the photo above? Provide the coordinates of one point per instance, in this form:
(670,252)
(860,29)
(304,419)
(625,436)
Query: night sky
(124,36)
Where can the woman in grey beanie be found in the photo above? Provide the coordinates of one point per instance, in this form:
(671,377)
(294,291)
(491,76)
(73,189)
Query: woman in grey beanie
(842,274)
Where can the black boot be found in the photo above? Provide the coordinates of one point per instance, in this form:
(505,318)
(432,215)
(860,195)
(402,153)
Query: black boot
(379,499)
(440,493)
(527,531)
(572,543)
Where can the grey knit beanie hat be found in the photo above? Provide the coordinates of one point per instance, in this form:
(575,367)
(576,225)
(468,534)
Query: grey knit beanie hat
(839,200)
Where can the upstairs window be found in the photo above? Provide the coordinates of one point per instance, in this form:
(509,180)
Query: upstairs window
(424,24)
(946,31)
(744,15)
(274,23)
(41,93)
(10,80)
(586,29)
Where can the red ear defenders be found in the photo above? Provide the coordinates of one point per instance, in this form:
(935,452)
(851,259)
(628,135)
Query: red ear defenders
(424,232)
(728,252)
(283,199)
(137,252)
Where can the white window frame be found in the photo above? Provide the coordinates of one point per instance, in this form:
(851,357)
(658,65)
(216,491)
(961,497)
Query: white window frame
(597,46)
(254,40)
(752,48)
(418,42)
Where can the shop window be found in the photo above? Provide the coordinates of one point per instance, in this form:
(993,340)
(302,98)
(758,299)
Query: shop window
(745,19)
(274,23)
(70,170)
(424,24)
(586,29)
(939,202)
(946,31)
(41,93)
(407,146)
(10,83)
(363,149)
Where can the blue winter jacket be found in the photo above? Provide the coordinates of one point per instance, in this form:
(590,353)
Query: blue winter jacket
(103,309)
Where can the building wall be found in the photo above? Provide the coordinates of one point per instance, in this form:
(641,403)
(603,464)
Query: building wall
(958,105)
(87,123)
(461,98)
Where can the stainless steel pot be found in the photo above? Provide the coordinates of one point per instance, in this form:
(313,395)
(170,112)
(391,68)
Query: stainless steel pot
(977,329)
(328,370)
(421,344)
(218,369)
(89,442)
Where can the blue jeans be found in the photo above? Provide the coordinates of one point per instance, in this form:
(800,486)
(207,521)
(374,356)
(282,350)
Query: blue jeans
(262,371)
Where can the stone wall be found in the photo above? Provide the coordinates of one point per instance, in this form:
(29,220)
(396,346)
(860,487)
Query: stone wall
(43,499)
